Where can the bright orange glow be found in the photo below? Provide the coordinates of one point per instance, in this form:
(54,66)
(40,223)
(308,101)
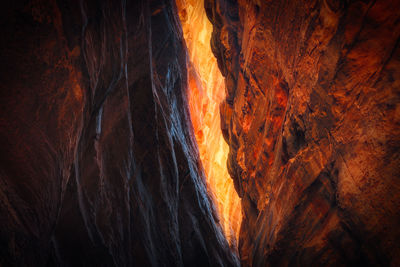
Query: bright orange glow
(206,92)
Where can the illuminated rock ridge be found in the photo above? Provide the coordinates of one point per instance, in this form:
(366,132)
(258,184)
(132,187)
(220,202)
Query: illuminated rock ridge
(312,116)
(206,92)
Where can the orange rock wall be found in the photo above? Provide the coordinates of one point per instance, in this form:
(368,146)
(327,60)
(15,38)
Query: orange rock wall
(312,118)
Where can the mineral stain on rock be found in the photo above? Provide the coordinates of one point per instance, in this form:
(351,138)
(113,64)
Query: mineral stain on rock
(311,118)
(99,164)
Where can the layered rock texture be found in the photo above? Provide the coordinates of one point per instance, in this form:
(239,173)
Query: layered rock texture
(312,118)
(99,165)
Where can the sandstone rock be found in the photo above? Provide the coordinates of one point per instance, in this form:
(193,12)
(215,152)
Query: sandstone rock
(99,165)
(312,118)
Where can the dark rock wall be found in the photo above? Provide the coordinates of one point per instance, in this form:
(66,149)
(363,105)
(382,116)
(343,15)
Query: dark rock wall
(312,118)
(99,166)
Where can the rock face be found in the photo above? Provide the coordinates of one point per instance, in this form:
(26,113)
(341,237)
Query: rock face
(99,165)
(312,118)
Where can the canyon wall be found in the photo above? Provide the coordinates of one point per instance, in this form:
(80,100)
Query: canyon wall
(99,165)
(312,118)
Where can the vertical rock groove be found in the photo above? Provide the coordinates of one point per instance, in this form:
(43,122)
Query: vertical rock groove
(312,120)
(99,166)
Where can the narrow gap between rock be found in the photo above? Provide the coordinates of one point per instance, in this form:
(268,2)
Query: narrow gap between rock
(206,92)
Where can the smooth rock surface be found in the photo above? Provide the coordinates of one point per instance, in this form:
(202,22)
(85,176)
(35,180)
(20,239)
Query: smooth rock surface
(99,165)
(312,118)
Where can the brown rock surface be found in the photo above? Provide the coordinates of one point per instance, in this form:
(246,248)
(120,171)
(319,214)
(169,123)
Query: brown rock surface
(312,118)
(98,163)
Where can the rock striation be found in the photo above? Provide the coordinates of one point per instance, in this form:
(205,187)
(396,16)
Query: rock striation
(99,165)
(312,119)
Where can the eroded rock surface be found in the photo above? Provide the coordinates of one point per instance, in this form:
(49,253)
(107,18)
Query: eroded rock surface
(312,118)
(99,165)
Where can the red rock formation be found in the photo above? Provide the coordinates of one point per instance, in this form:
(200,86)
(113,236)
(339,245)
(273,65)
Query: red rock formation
(312,118)
(99,165)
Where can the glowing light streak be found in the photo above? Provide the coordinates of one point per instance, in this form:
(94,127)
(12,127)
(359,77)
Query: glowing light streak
(207,90)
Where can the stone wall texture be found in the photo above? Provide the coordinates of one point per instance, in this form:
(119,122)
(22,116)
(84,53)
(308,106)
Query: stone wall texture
(98,162)
(312,118)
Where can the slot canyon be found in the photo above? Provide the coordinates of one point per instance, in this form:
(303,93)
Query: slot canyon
(200,133)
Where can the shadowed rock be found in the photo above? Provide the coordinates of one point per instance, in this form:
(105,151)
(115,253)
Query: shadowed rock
(99,165)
